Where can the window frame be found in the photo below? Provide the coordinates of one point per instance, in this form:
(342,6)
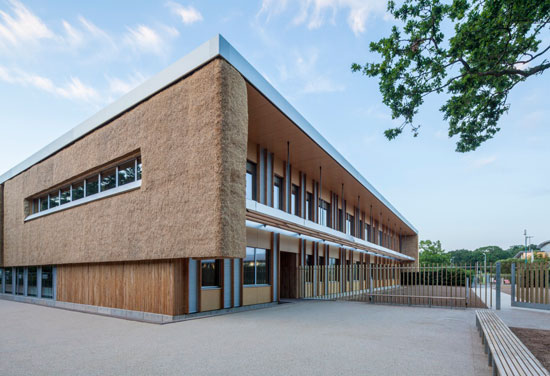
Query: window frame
(278,182)
(218,274)
(255,262)
(70,188)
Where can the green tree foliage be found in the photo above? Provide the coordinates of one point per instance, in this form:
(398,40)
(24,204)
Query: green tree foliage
(475,51)
(432,253)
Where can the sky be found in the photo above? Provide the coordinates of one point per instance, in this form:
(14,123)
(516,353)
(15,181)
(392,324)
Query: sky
(62,61)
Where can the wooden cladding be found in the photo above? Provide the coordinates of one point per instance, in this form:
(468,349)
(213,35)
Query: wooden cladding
(150,286)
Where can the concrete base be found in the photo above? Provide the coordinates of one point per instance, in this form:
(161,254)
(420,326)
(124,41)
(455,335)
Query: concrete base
(154,318)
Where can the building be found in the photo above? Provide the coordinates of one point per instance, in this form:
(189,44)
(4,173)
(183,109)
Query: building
(201,190)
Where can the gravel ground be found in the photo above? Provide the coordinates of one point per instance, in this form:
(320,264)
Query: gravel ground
(537,341)
(322,338)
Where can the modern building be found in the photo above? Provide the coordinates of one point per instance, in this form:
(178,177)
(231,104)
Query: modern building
(201,190)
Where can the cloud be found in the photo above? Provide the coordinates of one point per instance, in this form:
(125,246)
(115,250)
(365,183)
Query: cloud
(315,13)
(189,15)
(119,86)
(73,90)
(302,71)
(485,161)
(21,26)
(146,40)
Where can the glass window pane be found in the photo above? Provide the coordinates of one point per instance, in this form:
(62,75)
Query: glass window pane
(54,199)
(35,207)
(20,281)
(8,278)
(65,195)
(43,203)
(295,204)
(78,190)
(210,273)
(47,282)
(139,168)
(108,179)
(250,180)
(262,267)
(278,192)
(127,172)
(91,186)
(248,267)
(31,281)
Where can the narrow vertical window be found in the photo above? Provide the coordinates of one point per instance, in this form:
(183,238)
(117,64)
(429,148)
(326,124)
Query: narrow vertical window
(35,206)
(309,206)
(262,267)
(278,192)
(47,282)
(43,203)
(20,281)
(8,275)
(324,210)
(138,173)
(295,198)
(31,281)
(250,180)
(249,267)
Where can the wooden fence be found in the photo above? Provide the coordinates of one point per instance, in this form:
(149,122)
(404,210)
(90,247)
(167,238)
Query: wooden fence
(531,285)
(430,285)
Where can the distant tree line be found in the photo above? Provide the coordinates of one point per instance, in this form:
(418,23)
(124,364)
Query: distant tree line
(432,253)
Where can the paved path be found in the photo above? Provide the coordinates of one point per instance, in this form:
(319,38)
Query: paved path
(322,338)
(516,316)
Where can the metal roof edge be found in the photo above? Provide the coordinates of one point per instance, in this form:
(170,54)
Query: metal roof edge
(229,53)
(216,46)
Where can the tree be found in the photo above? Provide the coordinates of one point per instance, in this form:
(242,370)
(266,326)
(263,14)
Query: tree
(494,45)
(432,253)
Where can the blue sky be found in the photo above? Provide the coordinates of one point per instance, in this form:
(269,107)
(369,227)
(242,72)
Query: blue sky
(62,61)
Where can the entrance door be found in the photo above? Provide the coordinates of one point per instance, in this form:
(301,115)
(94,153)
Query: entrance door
(288,281)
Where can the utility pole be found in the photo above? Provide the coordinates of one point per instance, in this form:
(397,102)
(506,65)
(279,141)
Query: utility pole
(526,239)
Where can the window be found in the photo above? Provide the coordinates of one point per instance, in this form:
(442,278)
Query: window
(310,260)
(367,235)
(332,271)
(256,266)
(8,280)
(350,221)
(341,219)
(78,190)
(127,173)
(379,237)
(32,287)
(43,203)
(65,195)
(54,199)
(20,281)
(47,282)
(278,192)
(309,206)
(356,271)
(295,200)
(92,185)
(250,180)
(1,280)
(324,209)
(108,179)
(210,272)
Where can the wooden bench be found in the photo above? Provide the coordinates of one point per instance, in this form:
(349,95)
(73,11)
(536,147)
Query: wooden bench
(507,354)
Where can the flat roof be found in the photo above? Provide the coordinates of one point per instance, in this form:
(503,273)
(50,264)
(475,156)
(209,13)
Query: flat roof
(215,47)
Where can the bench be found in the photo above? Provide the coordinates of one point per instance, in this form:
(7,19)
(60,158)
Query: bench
(507,354)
